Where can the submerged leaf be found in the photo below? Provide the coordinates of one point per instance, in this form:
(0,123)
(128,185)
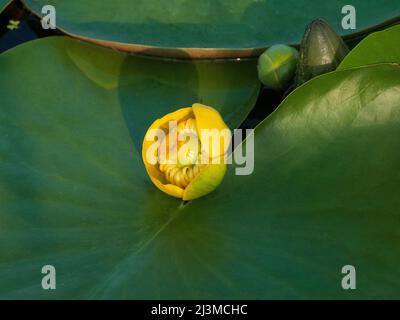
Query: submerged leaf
(207,28)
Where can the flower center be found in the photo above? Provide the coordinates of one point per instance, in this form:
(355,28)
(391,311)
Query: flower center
(184,152)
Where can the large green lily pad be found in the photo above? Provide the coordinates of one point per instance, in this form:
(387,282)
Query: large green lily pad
(379,47)
(238,26)
(74,193)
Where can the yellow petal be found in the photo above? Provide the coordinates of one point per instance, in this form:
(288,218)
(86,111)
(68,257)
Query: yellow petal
(170,189)
(206,181)
(157,177)
(209,119)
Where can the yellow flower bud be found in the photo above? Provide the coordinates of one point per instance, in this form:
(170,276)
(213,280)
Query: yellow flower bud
(184,151)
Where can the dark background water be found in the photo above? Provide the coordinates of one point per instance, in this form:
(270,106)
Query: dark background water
(30,28)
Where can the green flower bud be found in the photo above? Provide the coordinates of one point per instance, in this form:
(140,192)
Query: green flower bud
(277,65)
(321,51)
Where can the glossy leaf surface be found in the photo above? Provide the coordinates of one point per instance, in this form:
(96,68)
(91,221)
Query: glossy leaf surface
(378,47)
(74,192)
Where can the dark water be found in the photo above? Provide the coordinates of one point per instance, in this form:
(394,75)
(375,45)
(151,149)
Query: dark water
(30,28)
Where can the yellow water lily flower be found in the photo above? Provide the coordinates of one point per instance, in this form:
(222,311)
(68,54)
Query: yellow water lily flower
(184,152)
